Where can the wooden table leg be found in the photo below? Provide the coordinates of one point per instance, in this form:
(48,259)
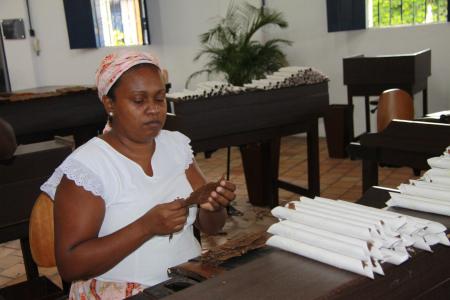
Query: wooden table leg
(367,109)
(351,130)
(272,163)
(425,101)
(369,174)
(312,137)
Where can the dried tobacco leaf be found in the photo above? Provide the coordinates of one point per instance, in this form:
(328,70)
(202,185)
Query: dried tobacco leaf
(235,247)
(201,195)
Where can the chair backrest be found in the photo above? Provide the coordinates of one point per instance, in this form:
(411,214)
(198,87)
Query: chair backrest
(394,104)
(41,232)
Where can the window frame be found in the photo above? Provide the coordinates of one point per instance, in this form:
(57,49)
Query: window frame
(343,15)
(83,25)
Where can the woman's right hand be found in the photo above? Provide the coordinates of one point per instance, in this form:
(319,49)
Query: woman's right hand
(166,218)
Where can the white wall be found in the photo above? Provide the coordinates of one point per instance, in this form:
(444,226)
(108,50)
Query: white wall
(176,25)
(314,46)
(18,52)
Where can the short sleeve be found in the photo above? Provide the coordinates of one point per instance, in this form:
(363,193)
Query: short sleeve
(184,147)
(78,173)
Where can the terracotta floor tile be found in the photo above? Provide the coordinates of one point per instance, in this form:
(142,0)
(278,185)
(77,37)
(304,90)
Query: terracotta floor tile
(14,271)
(9,261)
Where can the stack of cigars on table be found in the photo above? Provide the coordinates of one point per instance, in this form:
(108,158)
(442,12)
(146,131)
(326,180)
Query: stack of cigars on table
(359,238)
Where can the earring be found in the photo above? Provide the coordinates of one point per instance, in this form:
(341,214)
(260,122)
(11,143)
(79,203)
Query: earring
(111,114)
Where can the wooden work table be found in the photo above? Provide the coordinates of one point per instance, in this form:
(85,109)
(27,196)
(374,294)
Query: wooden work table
(270,273)
(39,114)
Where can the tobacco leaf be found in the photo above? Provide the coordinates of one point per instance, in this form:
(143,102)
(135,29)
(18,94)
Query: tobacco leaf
(201,195)
(238,246)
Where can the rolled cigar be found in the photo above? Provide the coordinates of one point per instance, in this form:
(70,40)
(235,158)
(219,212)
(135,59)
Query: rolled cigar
(417,191)
(343,228)
(421,204)
(317,240)
(394,257)
(439,183)
(395,221)
(322,255)
(431,226)
(368,247)
(374,233)
(358,216)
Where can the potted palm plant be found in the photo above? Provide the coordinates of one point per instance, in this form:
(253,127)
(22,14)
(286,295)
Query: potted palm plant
(232,50)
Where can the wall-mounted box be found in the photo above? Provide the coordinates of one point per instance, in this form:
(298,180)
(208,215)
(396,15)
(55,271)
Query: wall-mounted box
(13,29)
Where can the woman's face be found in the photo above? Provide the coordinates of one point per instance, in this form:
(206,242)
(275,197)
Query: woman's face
(139,107)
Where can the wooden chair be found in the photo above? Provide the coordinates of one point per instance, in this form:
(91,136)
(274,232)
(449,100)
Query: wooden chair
(41,232)
(20,179)
(394,104)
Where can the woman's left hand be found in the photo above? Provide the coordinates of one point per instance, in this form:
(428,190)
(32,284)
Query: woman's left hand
(221,197)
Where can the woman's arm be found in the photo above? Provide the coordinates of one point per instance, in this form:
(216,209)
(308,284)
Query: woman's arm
(212,215)
(78,215)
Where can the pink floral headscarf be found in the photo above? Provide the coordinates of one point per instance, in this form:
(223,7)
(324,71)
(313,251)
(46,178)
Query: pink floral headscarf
(115,64)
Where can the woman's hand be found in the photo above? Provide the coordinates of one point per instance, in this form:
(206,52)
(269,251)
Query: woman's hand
(166,218)
(221,197)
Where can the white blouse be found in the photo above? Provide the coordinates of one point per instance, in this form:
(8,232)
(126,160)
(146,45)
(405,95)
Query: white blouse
(129,193)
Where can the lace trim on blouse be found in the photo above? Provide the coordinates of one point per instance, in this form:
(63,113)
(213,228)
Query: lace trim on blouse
(188,152)
(78,173)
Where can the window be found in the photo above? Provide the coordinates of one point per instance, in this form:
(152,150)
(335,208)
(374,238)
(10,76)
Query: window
(384,13)
(120,22)
(103,23)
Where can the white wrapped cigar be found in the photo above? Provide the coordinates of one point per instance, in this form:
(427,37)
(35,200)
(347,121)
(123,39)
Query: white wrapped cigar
(370,248)
(374,232)
(317,240)
(431,226)
(417,191)
(388,237)
(379,223)
(421,204)
(437,172)
(439,180)
(376,267)
(420,243)
(394,221)
(421,198)
(442,162)
(321,255)
(343,228)
(394,257)
(431,239)
(443,239)
(435,185)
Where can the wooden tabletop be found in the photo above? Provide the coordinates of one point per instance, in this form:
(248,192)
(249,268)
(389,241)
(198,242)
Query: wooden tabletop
(281,275)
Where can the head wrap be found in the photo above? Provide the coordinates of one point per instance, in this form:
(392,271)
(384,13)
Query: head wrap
(115,64)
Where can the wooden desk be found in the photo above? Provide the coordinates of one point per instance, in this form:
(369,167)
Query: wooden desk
(39,114)
(370,76)
(276,274)
(402,143)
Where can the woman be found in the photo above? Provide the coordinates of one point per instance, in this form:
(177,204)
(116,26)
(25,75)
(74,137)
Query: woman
(116,197)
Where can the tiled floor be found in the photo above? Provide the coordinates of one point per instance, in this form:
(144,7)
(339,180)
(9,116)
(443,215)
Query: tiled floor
(340,178)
